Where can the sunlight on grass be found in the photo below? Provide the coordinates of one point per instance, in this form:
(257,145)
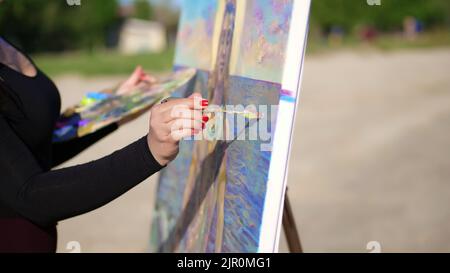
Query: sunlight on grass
(114,63)
(102,63)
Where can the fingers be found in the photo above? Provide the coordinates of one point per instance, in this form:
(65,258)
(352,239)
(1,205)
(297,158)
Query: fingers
(179,118)
(144,77)
(172,121)
(131,82)
(180,134)
(194,102)
(178,129)
(147,78)
(181,124)
(135,77)
(195,95)
(181,113)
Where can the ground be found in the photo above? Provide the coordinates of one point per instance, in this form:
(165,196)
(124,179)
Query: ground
(370,158)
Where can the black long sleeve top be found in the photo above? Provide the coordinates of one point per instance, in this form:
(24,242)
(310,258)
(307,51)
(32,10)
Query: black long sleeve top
(29,108)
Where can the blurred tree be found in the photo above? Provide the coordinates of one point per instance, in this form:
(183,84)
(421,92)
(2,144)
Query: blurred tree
(53,25)
(388,16)
(26,21)
(166,14)
(143,10)
(56,26)
(92,20)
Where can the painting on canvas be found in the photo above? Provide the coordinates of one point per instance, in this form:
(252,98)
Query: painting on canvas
(225,190)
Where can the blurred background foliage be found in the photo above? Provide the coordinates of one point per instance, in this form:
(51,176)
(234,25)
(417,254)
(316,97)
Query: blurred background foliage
(387,17)
(44,28)
(144,10)
(54,26)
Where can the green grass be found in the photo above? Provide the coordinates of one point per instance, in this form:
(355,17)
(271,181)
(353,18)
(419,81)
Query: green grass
(113,63)
(102,62)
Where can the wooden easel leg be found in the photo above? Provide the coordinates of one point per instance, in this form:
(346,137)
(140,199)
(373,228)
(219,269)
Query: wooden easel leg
(290,228)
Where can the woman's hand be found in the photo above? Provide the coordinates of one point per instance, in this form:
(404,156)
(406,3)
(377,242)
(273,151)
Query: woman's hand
(137,79)
(172,121)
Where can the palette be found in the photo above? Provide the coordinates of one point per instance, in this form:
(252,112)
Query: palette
(99,109)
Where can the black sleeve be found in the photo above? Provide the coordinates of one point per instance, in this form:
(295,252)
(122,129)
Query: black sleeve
(47,197)
(61,152)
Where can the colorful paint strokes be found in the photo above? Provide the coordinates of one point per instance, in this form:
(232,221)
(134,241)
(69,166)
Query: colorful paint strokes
(260,42)
(195,34)
(217,195)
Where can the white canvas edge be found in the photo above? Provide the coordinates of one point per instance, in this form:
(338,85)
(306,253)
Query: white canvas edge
(278,169)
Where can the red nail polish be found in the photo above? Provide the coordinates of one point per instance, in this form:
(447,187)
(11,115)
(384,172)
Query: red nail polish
(205,119)
(205,102)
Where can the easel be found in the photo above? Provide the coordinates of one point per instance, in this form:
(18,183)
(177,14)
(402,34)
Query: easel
(290,228)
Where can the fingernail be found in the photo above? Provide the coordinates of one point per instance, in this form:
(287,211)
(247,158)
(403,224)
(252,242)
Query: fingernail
(205,102)
(205,119)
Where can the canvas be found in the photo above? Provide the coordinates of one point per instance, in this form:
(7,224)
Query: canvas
(226,194)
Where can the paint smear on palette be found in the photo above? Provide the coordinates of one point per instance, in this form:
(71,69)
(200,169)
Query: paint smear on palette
(195,35)
(261,39)
(98,110)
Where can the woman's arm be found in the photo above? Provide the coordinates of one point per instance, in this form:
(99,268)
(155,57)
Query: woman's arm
(47,197)
(63,151)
